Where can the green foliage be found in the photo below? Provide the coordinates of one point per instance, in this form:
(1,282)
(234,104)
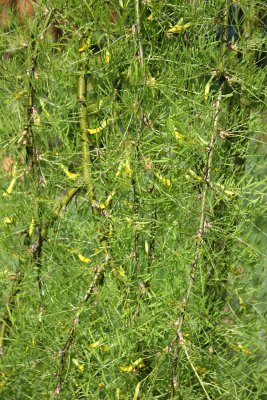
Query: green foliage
(154,287)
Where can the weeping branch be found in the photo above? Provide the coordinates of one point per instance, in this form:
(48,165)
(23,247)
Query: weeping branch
(178,340)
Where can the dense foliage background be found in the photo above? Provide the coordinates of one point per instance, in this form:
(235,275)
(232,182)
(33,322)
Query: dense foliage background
(132,200)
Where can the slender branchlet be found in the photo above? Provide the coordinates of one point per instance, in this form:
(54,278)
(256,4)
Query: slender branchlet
(98,272)
(140,124)
(27,155)
(178,340)
(18,277)
(85,143)
(97,279)
(36,250)
(138,32)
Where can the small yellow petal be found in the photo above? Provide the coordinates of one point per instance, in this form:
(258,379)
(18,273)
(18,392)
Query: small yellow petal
(129,368)
(85,46)
(93,131)
(167,182)
(95,345)
(10,187)
(119,169)
(230,193)
(107,57)
(243,349)
(84,259)
(139,363)
(81,367)
(121,272)
(151,81)
(71,175)
(31,228)
(128,170)
(78,365)
(179,27)
(150,17)
(179,136)
(7,220)
(109,198)
(196,177)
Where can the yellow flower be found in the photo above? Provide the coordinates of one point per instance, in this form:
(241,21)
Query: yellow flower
(84,259)
(78,365)
(71,175)
(240,347)
(151,81)
(10,187)
(93,131)
(137,364)
(7,220)
(179,136)
(179,27)
(195,176)
(95,344)
(119,169)
(243,349)
(86,45)
(128,170)
(107,57)
(31,228)
(166,181)
(129,368)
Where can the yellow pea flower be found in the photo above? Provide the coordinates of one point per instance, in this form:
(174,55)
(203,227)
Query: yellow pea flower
(86,45)
(129,368)
(93,131)
(7,220)
(107,201)
(31,228)
(179,27)
(10,187)
(71,175)
(107,57)
(166,181)
(95,344)
(128,170)
(136,364)
(78,365)
(84,259)
(179,136)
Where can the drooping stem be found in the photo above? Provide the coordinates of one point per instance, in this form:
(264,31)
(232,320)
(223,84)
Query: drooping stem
(36,250)
(85,143)
(177,342)
(140,124)
(98,276)
(27,155)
